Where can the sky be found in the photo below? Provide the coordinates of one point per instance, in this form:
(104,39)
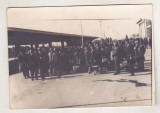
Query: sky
(52,19)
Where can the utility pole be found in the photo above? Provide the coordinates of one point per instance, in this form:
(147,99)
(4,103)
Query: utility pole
(108,31)
(101,27)
(82,33)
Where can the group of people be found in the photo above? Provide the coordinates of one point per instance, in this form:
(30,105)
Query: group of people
(97,57)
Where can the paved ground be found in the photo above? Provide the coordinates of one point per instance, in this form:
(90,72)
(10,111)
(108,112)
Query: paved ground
(83,90)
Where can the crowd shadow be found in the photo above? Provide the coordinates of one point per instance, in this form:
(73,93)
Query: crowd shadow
(137,73)
(140,71)
(61,77)
(137,84)
(72,75)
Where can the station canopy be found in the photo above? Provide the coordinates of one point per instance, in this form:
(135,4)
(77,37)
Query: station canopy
(22,36)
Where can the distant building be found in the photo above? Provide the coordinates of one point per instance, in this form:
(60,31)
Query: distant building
(135,36)
(145,28)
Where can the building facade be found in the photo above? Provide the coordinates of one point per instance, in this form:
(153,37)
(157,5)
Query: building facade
(145,28)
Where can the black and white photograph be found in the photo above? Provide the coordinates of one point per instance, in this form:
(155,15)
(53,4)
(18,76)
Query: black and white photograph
(80,56)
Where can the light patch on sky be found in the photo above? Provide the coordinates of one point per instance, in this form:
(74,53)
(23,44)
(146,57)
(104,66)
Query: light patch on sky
(43,18)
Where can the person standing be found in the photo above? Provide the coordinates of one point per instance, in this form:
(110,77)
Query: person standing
(141,59)
(43,63)
(131,64)
(94,62)
(87,55)
(81,59)
(55,61)
(104,65)
(37,62)
(116,58)
(98,57)
(50,60)
(31,63)
(22,57)
(131,58)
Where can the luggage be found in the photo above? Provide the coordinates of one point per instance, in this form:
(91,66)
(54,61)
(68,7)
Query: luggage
(76,68)
(123,64)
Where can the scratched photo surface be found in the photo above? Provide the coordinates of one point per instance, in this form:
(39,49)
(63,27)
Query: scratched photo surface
(80,56)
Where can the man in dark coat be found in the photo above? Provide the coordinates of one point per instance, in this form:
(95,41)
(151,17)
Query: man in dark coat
(43,63)
(131,64)
(24,65)
(81,59)
(87,55)
(31,63)
(94,62)
(141,59)
(56,61)
(37,62)
(116,58)
(104,65)
(50,60)
(130,55)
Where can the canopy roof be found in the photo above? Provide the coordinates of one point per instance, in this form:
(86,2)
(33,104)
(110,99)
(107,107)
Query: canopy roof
(29,36)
